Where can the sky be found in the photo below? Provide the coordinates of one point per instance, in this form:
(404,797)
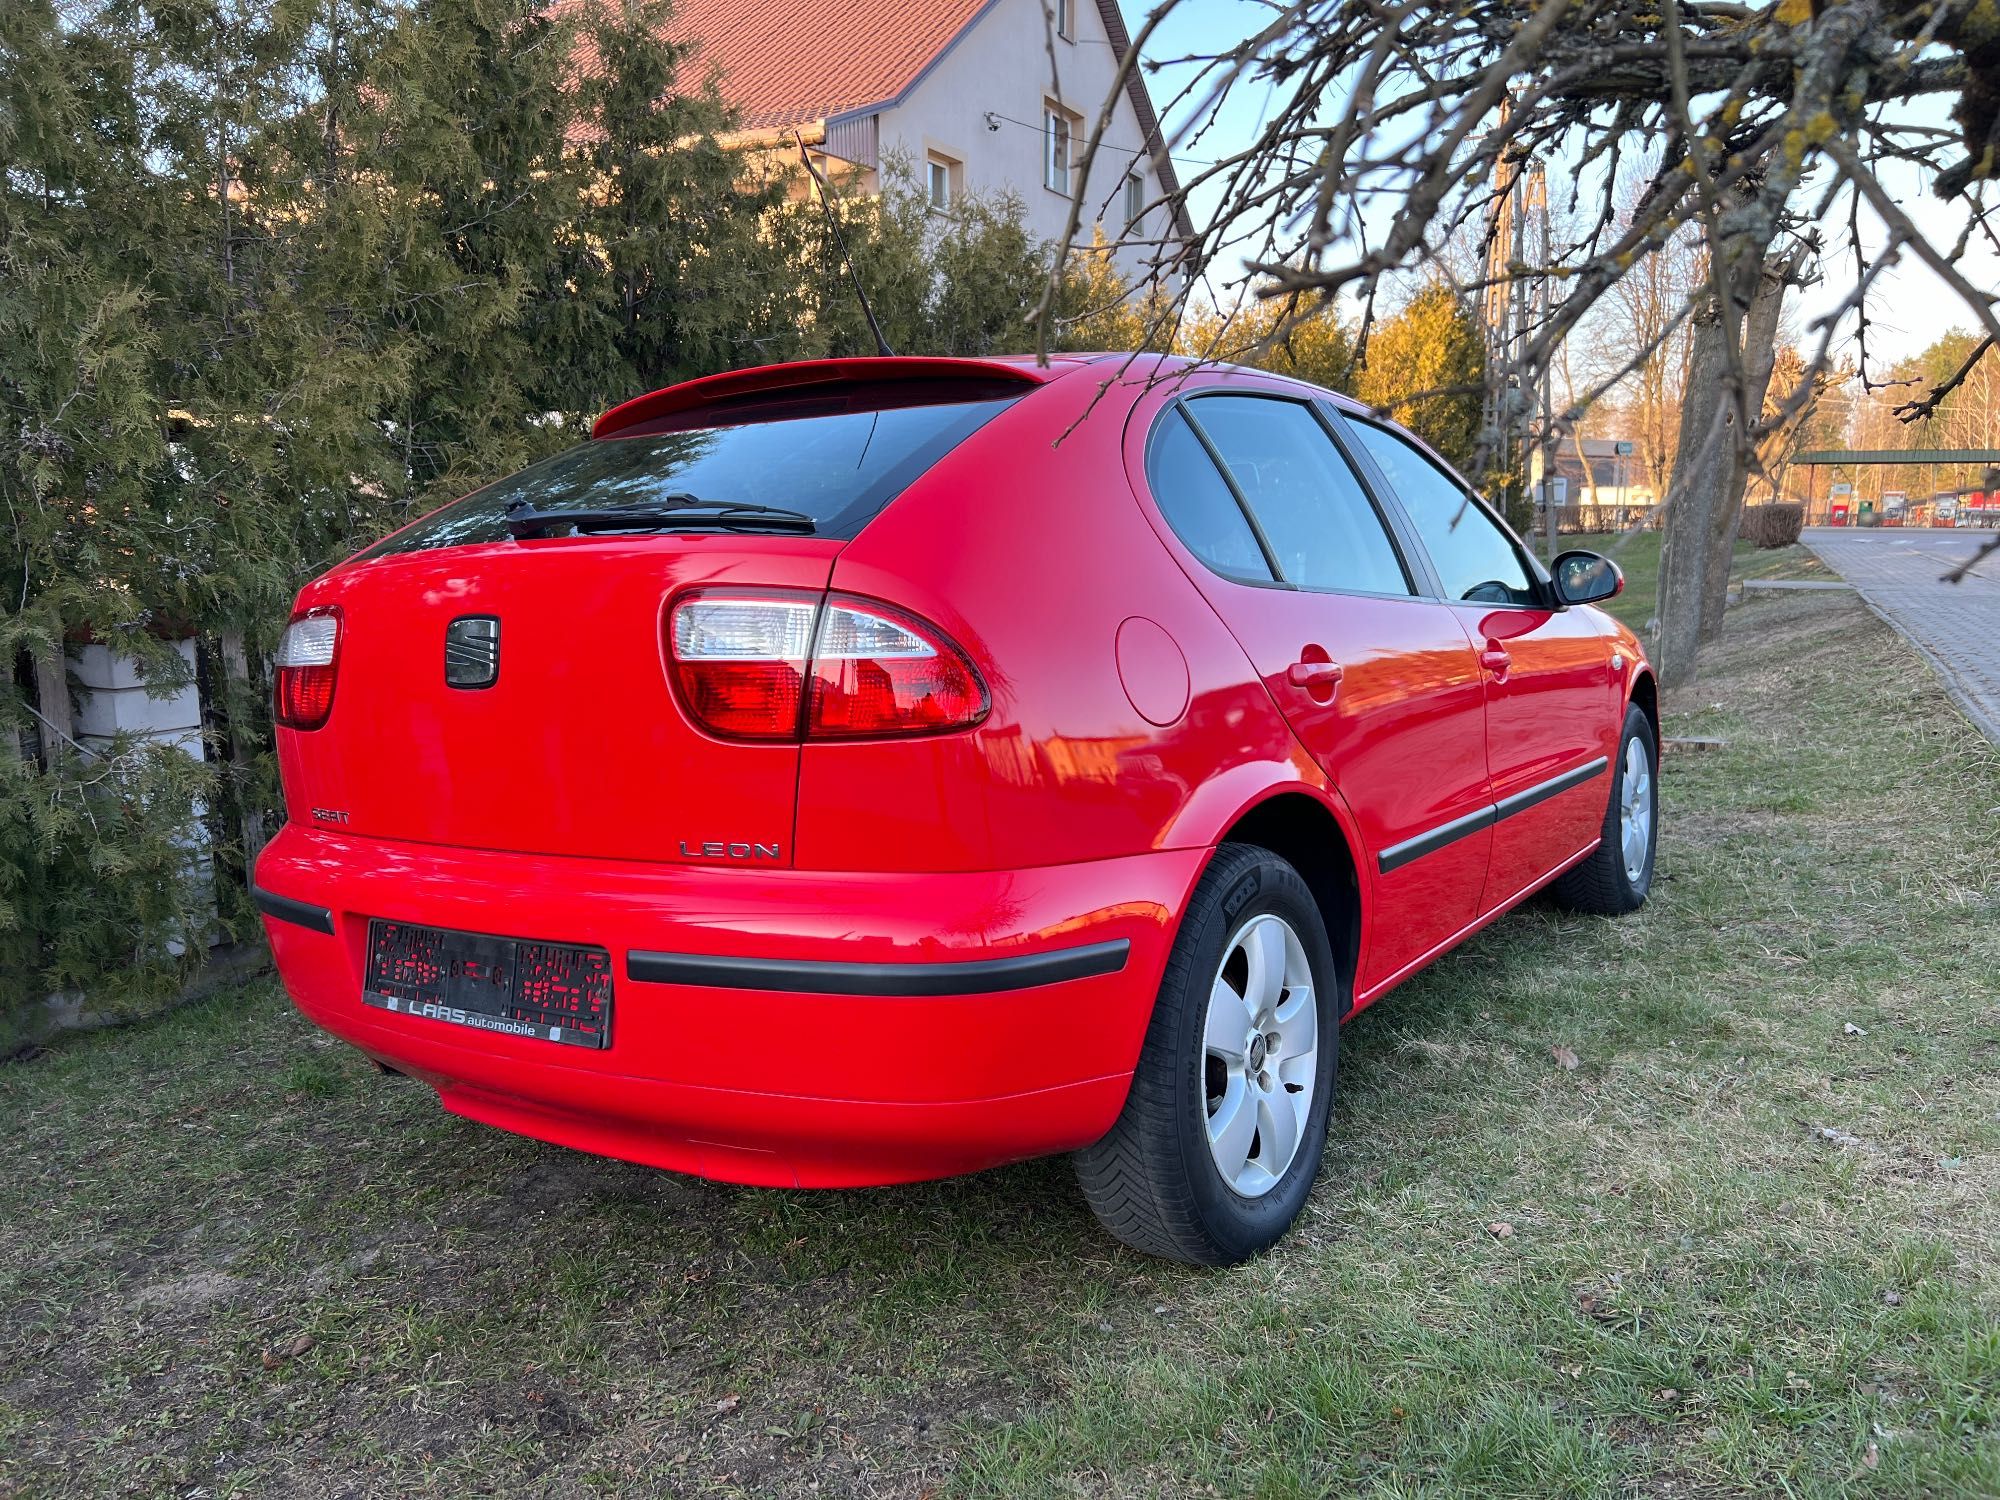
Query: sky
(1909,308)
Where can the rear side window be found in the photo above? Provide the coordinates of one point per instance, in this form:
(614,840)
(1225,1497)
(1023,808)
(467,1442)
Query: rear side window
(838,467)
(1196,501)
(1475,558)
(1323,529)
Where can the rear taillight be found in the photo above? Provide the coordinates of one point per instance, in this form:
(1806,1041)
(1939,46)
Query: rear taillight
(877,671)
(740,662)
(308,662)
(769,665)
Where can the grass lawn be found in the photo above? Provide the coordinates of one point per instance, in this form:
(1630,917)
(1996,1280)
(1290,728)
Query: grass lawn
(1749,1247)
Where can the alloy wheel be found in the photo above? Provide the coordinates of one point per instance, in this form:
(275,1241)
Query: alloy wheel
(1635,810)
(1260,1055)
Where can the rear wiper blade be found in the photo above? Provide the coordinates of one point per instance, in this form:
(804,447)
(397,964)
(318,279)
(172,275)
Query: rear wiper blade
(673,512)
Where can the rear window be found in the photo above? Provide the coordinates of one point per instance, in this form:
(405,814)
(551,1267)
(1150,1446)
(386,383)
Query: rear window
(839,467)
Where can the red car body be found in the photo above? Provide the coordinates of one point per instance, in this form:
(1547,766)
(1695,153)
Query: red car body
(846,961)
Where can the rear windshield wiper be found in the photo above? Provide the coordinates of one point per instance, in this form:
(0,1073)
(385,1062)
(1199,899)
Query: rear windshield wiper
(670,513)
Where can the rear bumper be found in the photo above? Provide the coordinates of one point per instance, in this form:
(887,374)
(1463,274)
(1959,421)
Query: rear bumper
(783,1028)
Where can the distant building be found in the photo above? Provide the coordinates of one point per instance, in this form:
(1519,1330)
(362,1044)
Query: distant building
(962,92)
(1613,478)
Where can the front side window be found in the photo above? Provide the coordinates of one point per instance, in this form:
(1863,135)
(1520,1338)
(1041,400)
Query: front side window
(1475,557)
(1056,132)
(940,184)
(1135,199)
(1197,503)
(1324,531)
(838,467)
(1065,26)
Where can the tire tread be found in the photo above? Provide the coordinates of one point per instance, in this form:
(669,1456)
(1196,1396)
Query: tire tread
(1134,1178)
(1597,884)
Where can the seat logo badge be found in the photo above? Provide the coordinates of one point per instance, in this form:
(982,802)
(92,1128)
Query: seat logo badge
(472,651)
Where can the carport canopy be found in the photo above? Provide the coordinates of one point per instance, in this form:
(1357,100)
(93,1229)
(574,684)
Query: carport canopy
(1857,456)
(1986,460)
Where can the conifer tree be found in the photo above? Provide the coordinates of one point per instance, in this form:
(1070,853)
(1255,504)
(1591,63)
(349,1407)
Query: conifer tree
(1423,368)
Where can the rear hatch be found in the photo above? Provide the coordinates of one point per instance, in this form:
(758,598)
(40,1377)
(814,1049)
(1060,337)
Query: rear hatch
(578,745)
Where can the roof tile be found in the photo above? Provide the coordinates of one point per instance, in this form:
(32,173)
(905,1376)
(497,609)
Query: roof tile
(791,62)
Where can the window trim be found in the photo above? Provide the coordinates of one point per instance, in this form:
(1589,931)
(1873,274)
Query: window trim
(1053,113)
(1538,578)
(953,179)
(1277,579)
(1154,436)
(1415,578)
(1416,556)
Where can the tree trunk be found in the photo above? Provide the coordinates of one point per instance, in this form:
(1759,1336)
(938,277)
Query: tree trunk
(1702,472)
(57,731)
(1760,336)
(1704,504)
(238,689)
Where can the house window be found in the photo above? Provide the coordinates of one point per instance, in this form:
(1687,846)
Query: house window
(1058,128)
(1065,26)
(938,184)
(1135,199)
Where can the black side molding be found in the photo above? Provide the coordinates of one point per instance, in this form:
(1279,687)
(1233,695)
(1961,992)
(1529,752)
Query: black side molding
(1397,855)
(974,977)
(298,913)
(1554,786)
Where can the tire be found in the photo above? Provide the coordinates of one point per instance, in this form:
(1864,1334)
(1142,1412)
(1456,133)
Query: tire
(1155,1180)
(1603,884)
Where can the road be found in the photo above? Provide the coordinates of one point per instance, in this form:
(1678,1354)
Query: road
(1956,625)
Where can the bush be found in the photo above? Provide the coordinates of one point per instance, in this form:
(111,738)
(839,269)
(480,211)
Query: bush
(102,888)
(1776,525)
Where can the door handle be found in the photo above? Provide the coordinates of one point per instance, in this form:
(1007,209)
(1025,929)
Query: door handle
(1314,674)
(1495,659)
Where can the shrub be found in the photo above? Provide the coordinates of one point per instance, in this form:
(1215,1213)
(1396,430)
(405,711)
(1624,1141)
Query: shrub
(102,888)
(1775,525)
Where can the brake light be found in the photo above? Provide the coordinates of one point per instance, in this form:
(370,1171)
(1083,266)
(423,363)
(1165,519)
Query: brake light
(877,671)
(765,665)
(308,662)
(740,662)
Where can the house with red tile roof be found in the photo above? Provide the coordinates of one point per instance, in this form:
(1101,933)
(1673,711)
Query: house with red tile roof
(965,93)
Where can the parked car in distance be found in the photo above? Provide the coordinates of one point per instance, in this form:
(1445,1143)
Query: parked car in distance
(869,770)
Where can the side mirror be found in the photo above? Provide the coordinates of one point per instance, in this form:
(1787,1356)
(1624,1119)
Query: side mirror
(1586,578)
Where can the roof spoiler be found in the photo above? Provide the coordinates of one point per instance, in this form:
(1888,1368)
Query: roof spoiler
(731,387)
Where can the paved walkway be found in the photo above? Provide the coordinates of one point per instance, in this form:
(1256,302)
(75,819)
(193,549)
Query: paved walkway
(1956,625)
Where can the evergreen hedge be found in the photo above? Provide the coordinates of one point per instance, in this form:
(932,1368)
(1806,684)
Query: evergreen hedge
(275,278)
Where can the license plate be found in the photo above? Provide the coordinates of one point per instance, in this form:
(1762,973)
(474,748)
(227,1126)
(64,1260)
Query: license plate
(552,992)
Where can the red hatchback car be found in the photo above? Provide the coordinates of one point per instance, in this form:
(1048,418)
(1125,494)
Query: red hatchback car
(869,770)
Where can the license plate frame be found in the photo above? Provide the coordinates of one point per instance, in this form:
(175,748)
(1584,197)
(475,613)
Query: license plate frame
(559,993)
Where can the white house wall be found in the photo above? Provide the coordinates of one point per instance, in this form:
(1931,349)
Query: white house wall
(114,699)
(1000,64)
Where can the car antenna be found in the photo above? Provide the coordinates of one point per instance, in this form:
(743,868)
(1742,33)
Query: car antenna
(826,196)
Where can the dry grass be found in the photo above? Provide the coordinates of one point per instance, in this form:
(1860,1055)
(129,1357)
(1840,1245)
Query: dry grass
(241,1263)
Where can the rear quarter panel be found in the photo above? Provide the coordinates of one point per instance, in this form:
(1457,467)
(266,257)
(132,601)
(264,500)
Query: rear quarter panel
(1029,547)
